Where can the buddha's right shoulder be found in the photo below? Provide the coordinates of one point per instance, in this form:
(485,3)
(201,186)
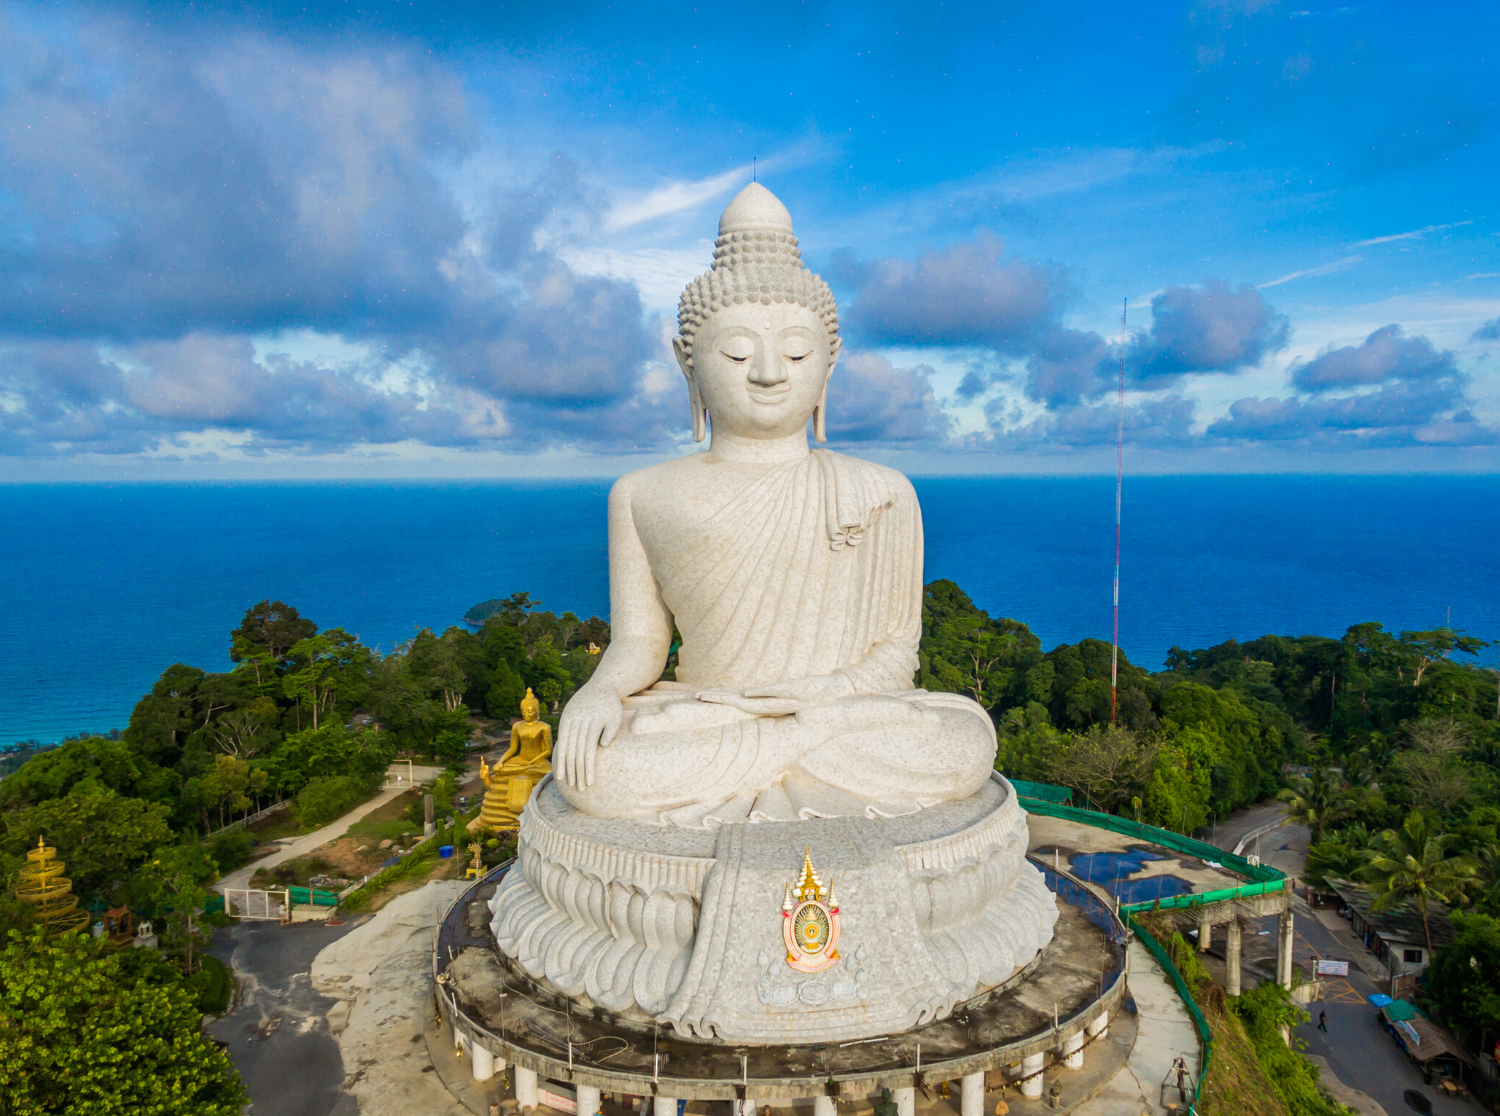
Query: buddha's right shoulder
(660,477)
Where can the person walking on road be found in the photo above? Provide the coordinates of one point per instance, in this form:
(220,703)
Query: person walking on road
(1323,1021)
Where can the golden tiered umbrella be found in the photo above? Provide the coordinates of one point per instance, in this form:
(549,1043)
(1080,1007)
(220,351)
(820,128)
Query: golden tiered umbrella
(44,885)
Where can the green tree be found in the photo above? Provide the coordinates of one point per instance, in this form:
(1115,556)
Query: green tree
(1316,801)
(172,881)
(272,626)
(100,835)
(230,783)
(1420,650)
(1411,864)
(85,1028)
(85,763)
(1332,860)
(1464,977)
(1432,770)
(323,666)
(161,721)
(1108,763)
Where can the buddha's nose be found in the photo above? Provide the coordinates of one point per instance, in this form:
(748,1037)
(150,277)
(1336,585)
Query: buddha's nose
(766,369)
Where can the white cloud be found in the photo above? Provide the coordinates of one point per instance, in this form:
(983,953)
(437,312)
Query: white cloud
(1414,234)
(674,197)
(1326,269)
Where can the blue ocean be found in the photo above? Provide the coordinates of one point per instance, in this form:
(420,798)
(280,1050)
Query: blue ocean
(103,586)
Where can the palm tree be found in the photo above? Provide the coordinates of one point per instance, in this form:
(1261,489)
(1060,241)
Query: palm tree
(1316,802)
(1411,864)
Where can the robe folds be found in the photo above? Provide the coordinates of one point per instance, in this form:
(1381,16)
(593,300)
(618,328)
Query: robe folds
(814,568)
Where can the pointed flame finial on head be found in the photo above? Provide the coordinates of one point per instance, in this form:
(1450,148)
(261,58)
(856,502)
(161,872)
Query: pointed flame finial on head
(530,704)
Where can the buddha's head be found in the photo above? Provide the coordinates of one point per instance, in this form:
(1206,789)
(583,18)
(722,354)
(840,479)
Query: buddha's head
(531,709)
(758,336)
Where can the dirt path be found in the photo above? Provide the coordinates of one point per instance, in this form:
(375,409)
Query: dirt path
(240,877)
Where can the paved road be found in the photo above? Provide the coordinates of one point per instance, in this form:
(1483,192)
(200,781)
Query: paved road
(308,842)
(277,1033)
(1358,1051)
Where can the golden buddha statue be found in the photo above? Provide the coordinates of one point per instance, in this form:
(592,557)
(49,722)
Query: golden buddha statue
(509,783)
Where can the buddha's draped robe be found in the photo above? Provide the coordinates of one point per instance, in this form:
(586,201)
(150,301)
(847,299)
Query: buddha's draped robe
(814,568)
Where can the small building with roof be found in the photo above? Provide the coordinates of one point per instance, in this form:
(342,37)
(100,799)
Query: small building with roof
(1396,936)
(1428,1044)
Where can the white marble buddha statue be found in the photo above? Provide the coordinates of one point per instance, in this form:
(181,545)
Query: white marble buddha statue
(794,576)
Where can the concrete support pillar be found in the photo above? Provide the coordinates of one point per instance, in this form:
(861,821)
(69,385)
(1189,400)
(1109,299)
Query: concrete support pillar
(971,1095)
(429,825)
(823,1106)
(525,1088)
(1205,931)
(1232,934)
(1072,1050)
(1284,942)
(588,1100)
(1031,1075)
(484,1061)
(906,1100)
(664,1106)
(1099,1026)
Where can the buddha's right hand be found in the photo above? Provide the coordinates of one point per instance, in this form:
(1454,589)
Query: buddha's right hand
(591,718)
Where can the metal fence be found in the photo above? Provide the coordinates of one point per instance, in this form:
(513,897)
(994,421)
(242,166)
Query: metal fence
(254,903)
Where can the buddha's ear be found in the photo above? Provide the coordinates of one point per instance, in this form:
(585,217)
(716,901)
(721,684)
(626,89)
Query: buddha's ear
(820,411)
(695,397)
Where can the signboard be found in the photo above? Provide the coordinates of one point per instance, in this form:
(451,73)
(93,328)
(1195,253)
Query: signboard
(1324,967)
(560,1101)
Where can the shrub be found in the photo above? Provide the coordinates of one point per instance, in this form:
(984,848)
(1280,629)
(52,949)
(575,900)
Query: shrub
(1263,1012)
(230,848)
(326,798)
(213,985)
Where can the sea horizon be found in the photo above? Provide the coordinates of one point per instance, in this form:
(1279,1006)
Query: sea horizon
(142,574)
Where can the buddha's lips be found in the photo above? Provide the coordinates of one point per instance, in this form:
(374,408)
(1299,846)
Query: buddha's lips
(769,395)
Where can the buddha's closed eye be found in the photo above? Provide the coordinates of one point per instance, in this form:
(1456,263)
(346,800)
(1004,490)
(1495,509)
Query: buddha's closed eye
(738,349)
(798,349)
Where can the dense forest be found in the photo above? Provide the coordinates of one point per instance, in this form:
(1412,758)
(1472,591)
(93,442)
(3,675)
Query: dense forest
(1364,737)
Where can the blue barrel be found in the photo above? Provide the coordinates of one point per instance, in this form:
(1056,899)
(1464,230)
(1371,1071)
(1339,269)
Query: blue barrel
(445,851)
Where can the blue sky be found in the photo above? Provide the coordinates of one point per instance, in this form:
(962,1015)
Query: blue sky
(424,240)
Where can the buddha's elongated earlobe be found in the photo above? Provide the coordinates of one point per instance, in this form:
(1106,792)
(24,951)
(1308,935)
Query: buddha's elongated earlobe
(820,412)
(695,397)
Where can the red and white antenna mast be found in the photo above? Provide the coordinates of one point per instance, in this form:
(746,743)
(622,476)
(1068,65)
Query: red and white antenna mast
(1114,651)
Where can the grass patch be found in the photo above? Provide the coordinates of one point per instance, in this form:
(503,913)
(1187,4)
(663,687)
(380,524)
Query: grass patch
(390,822)
(421,863)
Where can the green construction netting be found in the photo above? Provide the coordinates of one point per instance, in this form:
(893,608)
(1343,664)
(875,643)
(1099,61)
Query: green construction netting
(1259,873)
(1264,879)
(309,898)
(1045,792)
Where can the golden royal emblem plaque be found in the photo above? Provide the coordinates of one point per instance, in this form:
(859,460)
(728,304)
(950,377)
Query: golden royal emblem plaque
(810,921)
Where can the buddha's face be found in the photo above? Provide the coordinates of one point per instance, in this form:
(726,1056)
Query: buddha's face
(761,370)
(530,713)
